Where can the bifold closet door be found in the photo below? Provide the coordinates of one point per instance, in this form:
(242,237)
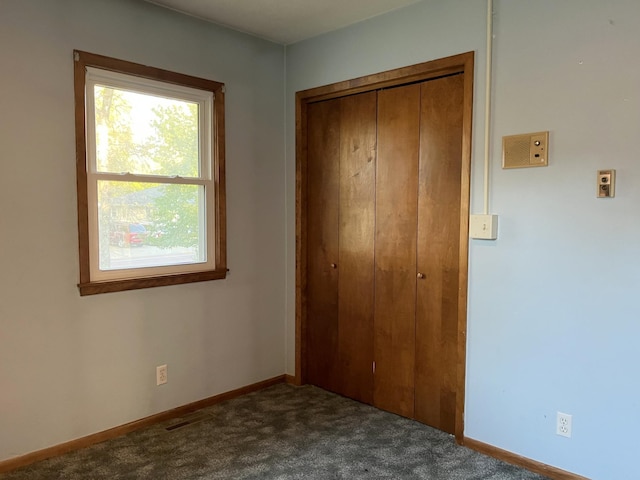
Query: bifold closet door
(383,244)
(438,251)
(323,189)
(355,264)
(341,164)
(395,248)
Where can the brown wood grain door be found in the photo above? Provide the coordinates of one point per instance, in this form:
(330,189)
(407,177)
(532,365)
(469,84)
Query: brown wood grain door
(323,187)
(384,179)
(355,265)
(382,205)
(438,251)
(395,248)
(340,208)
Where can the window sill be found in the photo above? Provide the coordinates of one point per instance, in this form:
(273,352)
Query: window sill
(93,288)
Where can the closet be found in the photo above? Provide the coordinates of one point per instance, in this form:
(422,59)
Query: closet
(384,187)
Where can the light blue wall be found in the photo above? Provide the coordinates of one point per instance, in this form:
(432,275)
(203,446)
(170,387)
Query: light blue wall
(553,317)
(72,366)
(552,320)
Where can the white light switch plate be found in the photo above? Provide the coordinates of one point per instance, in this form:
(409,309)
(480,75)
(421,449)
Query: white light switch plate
(483,227)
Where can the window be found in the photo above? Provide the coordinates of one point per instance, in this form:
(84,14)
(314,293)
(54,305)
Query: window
(150,175)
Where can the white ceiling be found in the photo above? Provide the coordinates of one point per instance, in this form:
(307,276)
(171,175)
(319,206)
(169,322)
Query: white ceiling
(284,21)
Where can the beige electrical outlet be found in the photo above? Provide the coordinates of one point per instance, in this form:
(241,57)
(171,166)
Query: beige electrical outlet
(527,150)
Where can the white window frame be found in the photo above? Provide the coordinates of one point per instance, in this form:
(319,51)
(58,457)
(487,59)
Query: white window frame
(92,70)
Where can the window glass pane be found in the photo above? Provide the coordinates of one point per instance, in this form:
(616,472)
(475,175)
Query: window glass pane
(145,134)
(150,224)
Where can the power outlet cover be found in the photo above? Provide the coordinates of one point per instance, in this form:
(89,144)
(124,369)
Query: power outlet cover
(161,375)
(563,424)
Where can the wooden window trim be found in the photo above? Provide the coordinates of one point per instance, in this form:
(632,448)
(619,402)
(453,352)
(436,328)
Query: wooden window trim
(82,60)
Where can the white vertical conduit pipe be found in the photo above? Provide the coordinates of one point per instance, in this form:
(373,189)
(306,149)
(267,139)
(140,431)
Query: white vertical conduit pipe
(487,108)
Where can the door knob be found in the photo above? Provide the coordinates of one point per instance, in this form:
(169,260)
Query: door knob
(420,275)
(333,265)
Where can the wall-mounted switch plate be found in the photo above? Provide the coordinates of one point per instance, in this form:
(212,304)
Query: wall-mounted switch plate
(483,227)
(606,183)
(539,149)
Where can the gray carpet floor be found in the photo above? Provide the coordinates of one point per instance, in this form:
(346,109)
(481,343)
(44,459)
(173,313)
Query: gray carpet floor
(284,433)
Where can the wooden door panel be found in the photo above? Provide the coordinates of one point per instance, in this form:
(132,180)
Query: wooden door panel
(395,248)
(355,265)
(323,187)
(438,251)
